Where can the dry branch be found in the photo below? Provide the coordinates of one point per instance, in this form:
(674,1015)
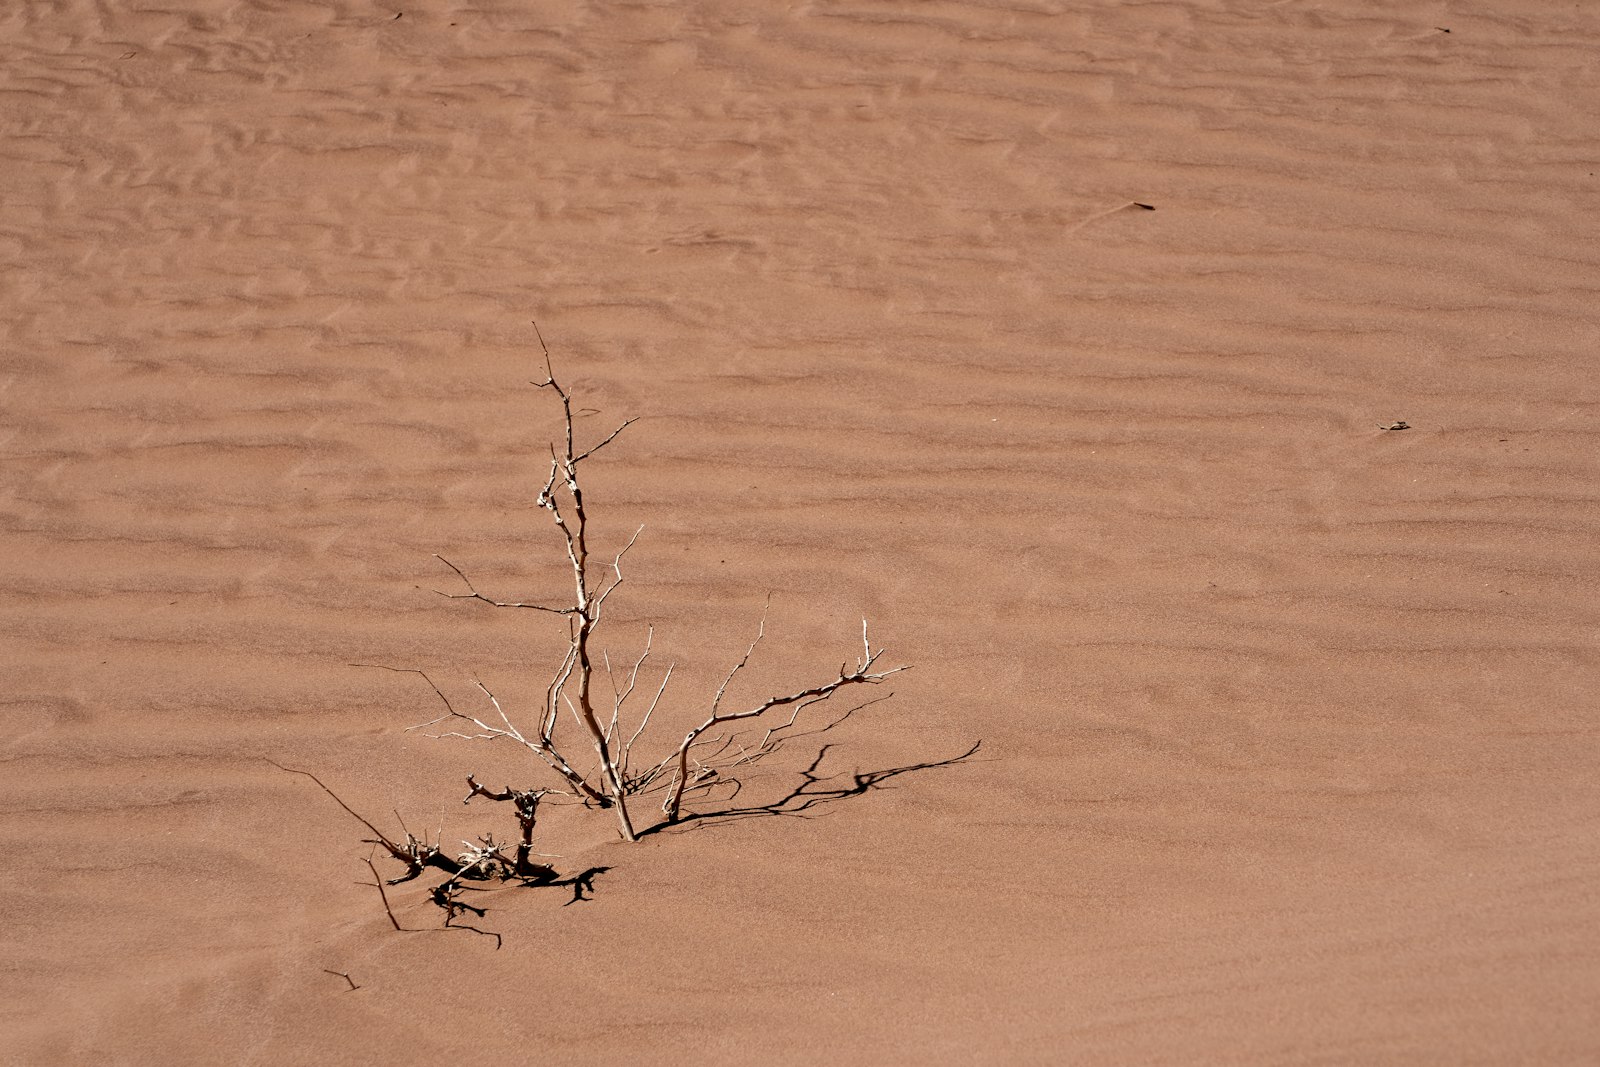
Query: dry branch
(542,746)
(345,976)
(377,880)
(414,853)
(473,594)
(863,674)
(526,804)
(696,762)
(722,742)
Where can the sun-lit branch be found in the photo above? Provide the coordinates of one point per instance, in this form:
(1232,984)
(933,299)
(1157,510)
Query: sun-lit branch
(701,766)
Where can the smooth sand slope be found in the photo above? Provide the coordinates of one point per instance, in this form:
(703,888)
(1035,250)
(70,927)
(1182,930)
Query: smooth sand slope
(1288,721)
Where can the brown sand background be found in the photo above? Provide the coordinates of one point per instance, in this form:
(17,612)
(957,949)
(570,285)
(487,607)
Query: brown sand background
(1288,736)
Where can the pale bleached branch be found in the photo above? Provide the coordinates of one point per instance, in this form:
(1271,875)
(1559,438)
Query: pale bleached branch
(542,747)
(608,782)
(611,437)
(621,695)
(627,749)
(616,569)
(761,631)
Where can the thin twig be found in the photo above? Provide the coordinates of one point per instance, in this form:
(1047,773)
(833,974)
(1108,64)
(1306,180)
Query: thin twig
(414,854)
(346,977)
(612,437)
(473,594)
(377,880)
(453,925)
(323,786)
(627,749)
(543,747)
(861,675)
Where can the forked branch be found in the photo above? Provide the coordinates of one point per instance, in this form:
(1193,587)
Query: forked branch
(572,519)
(542,746)
(473,594)
(862,674)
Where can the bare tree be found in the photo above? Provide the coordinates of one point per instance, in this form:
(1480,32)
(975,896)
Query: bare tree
(705,752)
(573,713)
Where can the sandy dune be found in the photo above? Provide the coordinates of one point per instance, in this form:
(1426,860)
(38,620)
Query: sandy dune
(1288,722)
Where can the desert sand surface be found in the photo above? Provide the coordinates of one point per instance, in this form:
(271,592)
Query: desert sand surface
(1288,725)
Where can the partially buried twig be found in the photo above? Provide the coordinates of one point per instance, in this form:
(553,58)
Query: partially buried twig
(415,854)
(346,977)
(377,880)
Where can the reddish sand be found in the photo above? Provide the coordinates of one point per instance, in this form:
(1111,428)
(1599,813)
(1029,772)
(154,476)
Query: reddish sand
(1288,720)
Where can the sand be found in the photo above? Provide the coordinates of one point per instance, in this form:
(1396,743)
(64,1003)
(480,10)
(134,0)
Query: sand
(1287,717)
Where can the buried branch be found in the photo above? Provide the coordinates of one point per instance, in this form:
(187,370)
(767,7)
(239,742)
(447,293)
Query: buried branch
(526,804)
(481,862)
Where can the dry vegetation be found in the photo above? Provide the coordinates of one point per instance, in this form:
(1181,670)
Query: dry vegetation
(613,726)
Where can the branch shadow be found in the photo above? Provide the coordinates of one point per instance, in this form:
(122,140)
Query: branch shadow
(813,791)
(447,897)
(581,884)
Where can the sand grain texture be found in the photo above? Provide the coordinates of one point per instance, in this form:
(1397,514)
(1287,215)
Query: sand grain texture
(1288,720)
